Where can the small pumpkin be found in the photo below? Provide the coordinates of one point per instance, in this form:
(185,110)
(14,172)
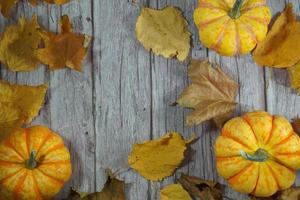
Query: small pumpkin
(34,164)
(232,27)
(258,153)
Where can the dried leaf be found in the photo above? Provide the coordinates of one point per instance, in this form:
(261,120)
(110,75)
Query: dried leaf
(294,73)
(203,189)
(18,105)
(158,159)
(6,6)
(281,47)
(296,125)
(174,192)
(58,2)
(165,32)
(212,94)
(64,49)
(17,45)
(113,190)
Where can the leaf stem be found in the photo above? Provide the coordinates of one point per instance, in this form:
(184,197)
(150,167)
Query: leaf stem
(235,12)
(31,163)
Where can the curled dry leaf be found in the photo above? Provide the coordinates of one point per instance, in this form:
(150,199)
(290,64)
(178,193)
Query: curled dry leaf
(6,6)
(281,47)
(158,159)
(64,49)
(211,95)
(203,189)
(296,125)
(165,32)
(17,45)
(19,105)
(174,192)
(58,2)
(113,190)
(294,73)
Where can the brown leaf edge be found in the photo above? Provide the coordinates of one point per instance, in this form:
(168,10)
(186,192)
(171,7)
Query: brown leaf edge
(113,189)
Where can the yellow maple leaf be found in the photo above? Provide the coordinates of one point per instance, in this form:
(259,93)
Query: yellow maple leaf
(294,73)
(64,49)
(58,2)
(19,105)
(157,159)
(211,95)
(174,192)
(281,47)
(18,43)
(6,6)
(165,32)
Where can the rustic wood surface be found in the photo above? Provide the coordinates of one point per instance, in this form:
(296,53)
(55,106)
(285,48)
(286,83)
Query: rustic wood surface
(124,93)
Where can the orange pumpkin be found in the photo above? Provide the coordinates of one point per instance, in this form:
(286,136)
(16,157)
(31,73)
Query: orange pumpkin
(258,153)
(34,164)
(232,27)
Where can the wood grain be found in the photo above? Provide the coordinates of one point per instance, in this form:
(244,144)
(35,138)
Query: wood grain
(124,94)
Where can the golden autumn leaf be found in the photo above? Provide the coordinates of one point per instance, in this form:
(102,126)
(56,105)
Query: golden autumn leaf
(174,192)
(113,190)
(294,73)
(281,47)
(165,32)
(18,44)
(64,49)
(158,159)
(58,2)
(203,189)
(19,105)
(211,95)
(6,6)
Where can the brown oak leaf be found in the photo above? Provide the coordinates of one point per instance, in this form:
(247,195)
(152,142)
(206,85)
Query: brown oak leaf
(211,95)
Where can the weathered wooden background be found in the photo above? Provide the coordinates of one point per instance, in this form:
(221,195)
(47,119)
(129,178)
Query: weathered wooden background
(124,93)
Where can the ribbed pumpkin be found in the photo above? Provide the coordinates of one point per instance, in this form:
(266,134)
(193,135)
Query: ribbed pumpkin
(258,153)
(232,27)
(34,164)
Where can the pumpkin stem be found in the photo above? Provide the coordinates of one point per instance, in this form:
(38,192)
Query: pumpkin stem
(31,163)
(235,12)
(260,155)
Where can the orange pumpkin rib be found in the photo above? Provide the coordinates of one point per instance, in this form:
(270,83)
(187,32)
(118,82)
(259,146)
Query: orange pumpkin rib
(27,141)
(56,162)
(284,140)
(230,179)
(227,134)
(271,132)
(203,25)
(238,45)
(250,31)
(9,145)
(36,187)
(43,143)
(289,153)
(56,147)
(51,177)
(254,6)
(245,119)
(10,175)
(209,6)
(220,37)
(274,176)
(259,20)
(258,175)
(19,186)
(8,163)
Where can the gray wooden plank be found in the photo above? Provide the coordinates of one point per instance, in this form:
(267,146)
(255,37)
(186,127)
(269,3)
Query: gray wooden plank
(71,101)
(281,99)
(122,91)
